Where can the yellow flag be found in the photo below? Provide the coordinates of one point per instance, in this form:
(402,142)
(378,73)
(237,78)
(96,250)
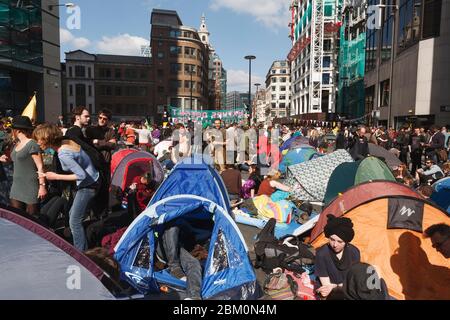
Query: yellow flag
(30,110)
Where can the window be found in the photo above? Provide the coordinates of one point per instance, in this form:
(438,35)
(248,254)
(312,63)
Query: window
(105,73)
(282,105)
(432,18)
(283,71)
(283,80)
(131,74)
(274,88)
(174,85)
(160,55)
(70,90)
(274,80)
(160,89)
(326,62)
(90,91)
(89,73)
(117,73)
(175,33)
(274,97)
(118,91)
(160,73)
(175,50)
(274,105)
(80,71)
(188,68)
(105,90)
(326,78)
(175,68)
(282,97)
(282,88)
(70,72)
(144,74)
(190,52)
(327,44)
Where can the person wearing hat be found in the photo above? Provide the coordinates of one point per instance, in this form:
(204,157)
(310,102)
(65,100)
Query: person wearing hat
(28,187)
(334,259)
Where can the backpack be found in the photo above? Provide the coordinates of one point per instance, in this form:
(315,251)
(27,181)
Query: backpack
(287,253)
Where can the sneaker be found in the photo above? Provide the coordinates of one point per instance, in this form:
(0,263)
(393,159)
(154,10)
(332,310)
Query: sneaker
(178,273)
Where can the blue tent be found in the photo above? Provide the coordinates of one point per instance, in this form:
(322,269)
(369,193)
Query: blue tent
(297,156)
(228,272)
(441,195)
(195,176)
(294,141)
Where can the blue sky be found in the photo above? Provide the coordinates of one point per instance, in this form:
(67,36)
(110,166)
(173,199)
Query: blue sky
(237,27)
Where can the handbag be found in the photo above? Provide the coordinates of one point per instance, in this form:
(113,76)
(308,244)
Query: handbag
(278,286)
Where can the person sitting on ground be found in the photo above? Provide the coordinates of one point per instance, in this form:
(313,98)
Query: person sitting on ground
(334,259)
(271,184)
(446,169)
(425,191)
(182,265)
(430,173)
(362,283)
(233,181)
(144,192)
(440,238)
(251,186)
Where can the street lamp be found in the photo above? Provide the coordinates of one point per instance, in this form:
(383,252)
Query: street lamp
(67,5)
(250,58)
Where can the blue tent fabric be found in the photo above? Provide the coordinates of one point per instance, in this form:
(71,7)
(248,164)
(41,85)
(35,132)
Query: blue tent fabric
(196,177)
(296,156)
(228,271)
(294,141)
(441,194)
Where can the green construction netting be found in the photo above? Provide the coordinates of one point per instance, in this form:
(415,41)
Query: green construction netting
(352,57)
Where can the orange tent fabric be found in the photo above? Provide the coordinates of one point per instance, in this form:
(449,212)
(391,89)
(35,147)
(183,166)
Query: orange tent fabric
(411,267)
(357,196)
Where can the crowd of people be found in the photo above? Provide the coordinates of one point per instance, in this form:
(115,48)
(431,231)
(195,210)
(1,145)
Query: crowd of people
(61,172)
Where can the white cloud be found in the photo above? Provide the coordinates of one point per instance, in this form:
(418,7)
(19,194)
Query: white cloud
(65,35)
(237,80)
(73,42)
(272,13)
(81,43)
(123,44)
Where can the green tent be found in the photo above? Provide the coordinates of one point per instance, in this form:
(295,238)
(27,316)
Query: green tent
(352,174)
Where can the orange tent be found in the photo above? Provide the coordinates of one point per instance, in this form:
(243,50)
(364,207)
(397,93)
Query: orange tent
(358,195)
(387,234)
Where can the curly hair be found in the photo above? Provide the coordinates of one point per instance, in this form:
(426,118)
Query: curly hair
(49,134)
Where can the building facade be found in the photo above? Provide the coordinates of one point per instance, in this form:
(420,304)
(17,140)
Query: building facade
(122,84)
(352,59)
(419,91)
(279,86)
(180,63)
(217,76)
(30,57)
(315,41)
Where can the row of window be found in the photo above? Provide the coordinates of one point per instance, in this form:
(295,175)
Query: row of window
(129,73)
(178,68)
(80,90)
(274,88)
(177,51)
(282,80)
(125,91)
(126,109)
(280,97)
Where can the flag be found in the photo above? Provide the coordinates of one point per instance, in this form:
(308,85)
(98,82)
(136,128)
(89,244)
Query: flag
(30,110)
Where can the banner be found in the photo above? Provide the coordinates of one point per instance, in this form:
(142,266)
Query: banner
(206,117)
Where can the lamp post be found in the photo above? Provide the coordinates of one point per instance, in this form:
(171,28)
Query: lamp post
(250,58)
(67,5)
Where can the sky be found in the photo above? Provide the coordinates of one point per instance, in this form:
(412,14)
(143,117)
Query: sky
(238,28)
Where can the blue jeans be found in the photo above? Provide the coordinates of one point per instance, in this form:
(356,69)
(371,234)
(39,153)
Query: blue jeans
(77,212)
(178,257)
